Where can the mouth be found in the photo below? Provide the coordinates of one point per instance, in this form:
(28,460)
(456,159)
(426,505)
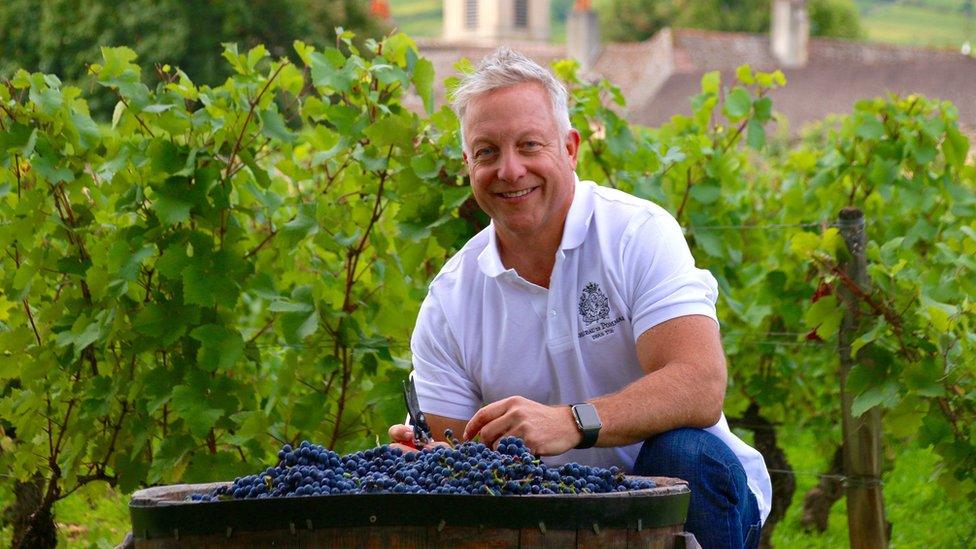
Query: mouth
(516,194)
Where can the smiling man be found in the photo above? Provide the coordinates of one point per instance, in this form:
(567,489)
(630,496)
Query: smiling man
(577,319)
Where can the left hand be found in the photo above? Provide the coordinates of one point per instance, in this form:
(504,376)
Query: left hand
(401,436)
(546,430)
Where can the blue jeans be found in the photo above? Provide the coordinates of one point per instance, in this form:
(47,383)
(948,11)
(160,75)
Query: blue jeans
(723,511)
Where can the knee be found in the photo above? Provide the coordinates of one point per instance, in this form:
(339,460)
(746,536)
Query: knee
(671,452)
(719,509)
(694,455)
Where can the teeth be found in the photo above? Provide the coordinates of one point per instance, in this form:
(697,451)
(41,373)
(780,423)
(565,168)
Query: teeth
(516,194)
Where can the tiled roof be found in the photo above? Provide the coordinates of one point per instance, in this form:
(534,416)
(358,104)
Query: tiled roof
(712,50)
(815,91)
(838,74)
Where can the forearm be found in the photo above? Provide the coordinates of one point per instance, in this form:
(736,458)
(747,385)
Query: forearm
(676,395)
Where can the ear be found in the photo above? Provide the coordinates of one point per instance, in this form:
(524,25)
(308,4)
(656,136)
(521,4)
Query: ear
(572,144)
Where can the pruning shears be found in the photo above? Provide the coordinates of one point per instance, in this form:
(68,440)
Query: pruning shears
(421,431)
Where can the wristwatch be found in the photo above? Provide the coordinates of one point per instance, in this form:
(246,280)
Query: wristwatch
(588,422)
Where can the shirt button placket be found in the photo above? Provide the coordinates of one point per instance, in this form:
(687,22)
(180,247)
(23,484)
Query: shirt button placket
(555,331)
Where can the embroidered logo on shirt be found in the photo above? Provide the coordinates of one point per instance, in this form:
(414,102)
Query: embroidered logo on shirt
(593,304)
(594,307)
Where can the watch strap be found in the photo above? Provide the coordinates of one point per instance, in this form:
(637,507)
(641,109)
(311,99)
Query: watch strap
(590,434)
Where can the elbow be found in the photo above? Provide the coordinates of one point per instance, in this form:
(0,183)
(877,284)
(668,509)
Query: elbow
(708,414)
(711,416)
(713,396)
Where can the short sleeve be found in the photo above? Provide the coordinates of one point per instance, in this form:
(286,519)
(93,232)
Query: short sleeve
(443,387)
(660,273)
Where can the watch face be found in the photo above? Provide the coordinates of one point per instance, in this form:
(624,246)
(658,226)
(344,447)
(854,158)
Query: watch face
(587,417)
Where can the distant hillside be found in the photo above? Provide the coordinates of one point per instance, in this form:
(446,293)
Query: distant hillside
(924,22)
(417,17)
(946,23)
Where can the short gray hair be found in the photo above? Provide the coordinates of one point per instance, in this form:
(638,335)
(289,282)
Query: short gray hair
(503,68)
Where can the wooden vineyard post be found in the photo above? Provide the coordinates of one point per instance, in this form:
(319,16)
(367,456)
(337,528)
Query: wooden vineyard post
(862,435)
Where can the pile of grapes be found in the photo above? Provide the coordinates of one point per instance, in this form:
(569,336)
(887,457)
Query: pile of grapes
(465,468)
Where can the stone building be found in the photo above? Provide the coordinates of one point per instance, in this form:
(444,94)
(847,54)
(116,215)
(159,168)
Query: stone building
(496,21)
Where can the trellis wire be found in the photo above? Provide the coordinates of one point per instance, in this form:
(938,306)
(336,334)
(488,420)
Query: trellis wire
(808,225)
(846,480)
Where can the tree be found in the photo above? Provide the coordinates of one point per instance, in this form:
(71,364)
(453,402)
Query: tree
(725,15)
(559,9)
(62,37)
(835,18)
(635,20)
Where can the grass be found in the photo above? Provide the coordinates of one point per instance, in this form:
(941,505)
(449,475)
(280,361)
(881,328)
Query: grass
(418,17)
(914,503)
(94,516)
(940,23)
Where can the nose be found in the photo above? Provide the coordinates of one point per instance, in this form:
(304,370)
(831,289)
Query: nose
(510,166)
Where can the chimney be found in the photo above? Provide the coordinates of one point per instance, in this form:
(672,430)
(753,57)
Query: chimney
(790,32)
(583,34)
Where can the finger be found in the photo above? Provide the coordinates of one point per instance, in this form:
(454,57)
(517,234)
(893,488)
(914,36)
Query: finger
(495,430)
(484,416)
(436,444)
(401,433)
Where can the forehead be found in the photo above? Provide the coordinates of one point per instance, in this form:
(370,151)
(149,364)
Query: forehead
(509,110)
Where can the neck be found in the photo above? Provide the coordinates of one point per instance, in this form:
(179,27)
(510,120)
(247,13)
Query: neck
(532,258)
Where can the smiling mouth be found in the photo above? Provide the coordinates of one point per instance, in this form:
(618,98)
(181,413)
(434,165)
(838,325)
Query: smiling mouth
(516,194)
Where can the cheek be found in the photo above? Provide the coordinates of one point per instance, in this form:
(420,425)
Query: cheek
(479,176)
(478,185)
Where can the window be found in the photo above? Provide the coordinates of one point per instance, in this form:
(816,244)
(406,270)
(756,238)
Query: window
(471,14)
(521,13)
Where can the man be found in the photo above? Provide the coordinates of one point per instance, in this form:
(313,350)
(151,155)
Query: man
(578,295)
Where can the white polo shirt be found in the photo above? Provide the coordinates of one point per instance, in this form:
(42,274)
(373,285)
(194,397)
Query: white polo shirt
(484,333)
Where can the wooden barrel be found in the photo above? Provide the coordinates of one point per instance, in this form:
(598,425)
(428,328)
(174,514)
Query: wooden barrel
(161,517)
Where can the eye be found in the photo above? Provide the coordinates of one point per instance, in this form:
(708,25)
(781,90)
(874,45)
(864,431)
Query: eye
(484,152)
(531,145)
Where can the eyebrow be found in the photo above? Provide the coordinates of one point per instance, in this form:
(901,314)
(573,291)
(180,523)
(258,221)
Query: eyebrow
(534,135)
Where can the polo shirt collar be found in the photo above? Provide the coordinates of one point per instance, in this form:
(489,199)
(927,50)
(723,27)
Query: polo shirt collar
(579,215)
(574,231)
(489,260)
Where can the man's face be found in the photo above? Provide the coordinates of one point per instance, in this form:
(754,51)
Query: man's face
(521,167)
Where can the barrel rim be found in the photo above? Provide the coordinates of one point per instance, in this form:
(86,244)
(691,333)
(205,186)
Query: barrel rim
(175,494)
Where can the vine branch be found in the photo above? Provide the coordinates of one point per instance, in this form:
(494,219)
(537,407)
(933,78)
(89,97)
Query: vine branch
(252,105)
(684,199)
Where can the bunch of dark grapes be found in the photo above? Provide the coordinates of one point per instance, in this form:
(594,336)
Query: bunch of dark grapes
(465,468)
